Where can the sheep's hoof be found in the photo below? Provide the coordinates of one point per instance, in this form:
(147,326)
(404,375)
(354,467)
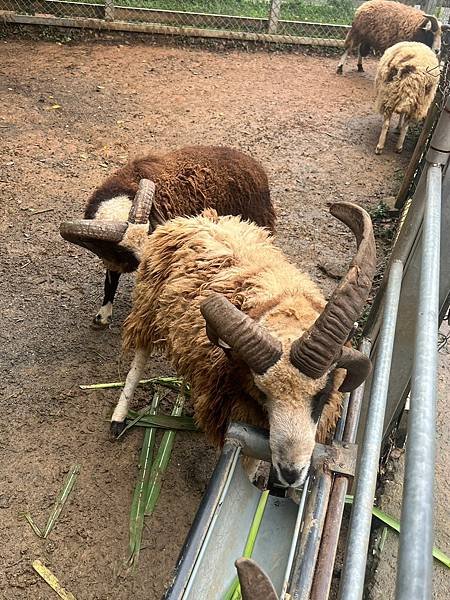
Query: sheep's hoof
(99,322)
(360,69)
(339,70)
(399,150)
(116,428)
(378,150)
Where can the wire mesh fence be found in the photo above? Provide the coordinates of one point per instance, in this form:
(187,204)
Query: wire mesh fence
(294,21)
(316,22)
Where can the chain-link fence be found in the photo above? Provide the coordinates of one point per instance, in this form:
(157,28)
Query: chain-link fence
(315,22)
(294,21)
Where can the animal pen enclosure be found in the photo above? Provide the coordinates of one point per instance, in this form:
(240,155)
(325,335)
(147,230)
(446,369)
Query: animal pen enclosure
(58,127)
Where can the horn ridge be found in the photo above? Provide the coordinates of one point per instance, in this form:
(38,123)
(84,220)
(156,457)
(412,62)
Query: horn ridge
(142,203)
(314,353)
(254,344)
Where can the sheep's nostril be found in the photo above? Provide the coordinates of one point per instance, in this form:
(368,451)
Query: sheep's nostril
(289,475)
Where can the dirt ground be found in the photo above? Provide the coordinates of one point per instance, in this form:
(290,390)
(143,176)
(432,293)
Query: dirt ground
(70,114)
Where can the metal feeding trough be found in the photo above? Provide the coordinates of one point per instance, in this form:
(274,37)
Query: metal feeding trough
(206,566)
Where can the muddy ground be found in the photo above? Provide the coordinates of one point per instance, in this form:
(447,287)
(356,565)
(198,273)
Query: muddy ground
(70,114)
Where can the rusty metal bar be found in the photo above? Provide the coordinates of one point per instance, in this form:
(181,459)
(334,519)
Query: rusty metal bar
(331,531)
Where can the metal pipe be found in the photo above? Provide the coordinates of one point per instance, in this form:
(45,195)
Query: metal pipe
(199,529)
(305,561)
(331,531)
(416,537)
(352,582)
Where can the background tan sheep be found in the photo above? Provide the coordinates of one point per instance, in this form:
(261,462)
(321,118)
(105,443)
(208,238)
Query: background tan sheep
(406,82)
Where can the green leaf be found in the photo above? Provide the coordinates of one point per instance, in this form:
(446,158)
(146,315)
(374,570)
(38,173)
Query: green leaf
(173,383)
(162,460)
(60,501)
(234,591)
(180,423)
(395,525)
(140,490)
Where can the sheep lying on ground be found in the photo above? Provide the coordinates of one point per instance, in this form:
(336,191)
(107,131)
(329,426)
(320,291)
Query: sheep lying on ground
(182,182)
(406,82)
(273,350)
(379,24)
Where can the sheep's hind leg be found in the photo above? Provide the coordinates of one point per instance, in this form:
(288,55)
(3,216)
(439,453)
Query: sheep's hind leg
(104,316)
(401,118)
(403,131)
(131,382)
(360,66)
(383,134)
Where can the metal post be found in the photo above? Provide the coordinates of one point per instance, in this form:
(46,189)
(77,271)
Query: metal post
(416,537)
(274,16)
(330,537)
(352,582)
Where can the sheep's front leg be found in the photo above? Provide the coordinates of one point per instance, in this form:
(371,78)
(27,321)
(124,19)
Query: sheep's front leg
(403,131)
(383,134)
(341,64)
(104,316)
(131,382)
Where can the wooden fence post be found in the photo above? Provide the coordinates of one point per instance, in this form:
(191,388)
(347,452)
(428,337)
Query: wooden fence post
(274,15)
(109,10)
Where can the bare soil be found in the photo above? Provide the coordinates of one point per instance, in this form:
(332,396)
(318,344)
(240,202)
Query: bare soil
(70,114)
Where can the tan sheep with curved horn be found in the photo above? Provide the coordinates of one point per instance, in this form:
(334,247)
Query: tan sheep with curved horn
(227,307)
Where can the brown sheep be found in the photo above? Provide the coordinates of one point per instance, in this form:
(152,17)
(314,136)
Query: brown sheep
(379,24)
(184,182)
(272,345)
(406,82)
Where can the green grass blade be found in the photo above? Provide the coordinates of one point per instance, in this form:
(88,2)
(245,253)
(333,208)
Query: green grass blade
(33,525)
(173,383)
(140,490)
(395,525)
(139,416)
(179,423)
(234,591)
(63,495)
(162,460)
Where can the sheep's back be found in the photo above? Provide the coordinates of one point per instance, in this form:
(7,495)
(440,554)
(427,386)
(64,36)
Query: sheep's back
(382,23)
(182,262)
(191,179)
(406,80)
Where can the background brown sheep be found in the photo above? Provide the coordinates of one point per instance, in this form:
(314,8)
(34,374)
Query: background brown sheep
(186,181)
(379,24)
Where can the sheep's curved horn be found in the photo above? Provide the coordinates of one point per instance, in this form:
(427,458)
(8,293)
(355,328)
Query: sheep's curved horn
(358,367)
(320,346)
(103,239)
(433,22)
(247,338)
(90,230)
(255,583)
(142,203)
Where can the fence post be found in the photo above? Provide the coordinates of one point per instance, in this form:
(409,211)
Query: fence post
(109,10)
(429,6)
(274,15)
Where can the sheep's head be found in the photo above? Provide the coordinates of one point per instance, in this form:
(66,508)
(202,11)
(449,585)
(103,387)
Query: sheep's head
(293,371)
(117,243)
(430,33)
